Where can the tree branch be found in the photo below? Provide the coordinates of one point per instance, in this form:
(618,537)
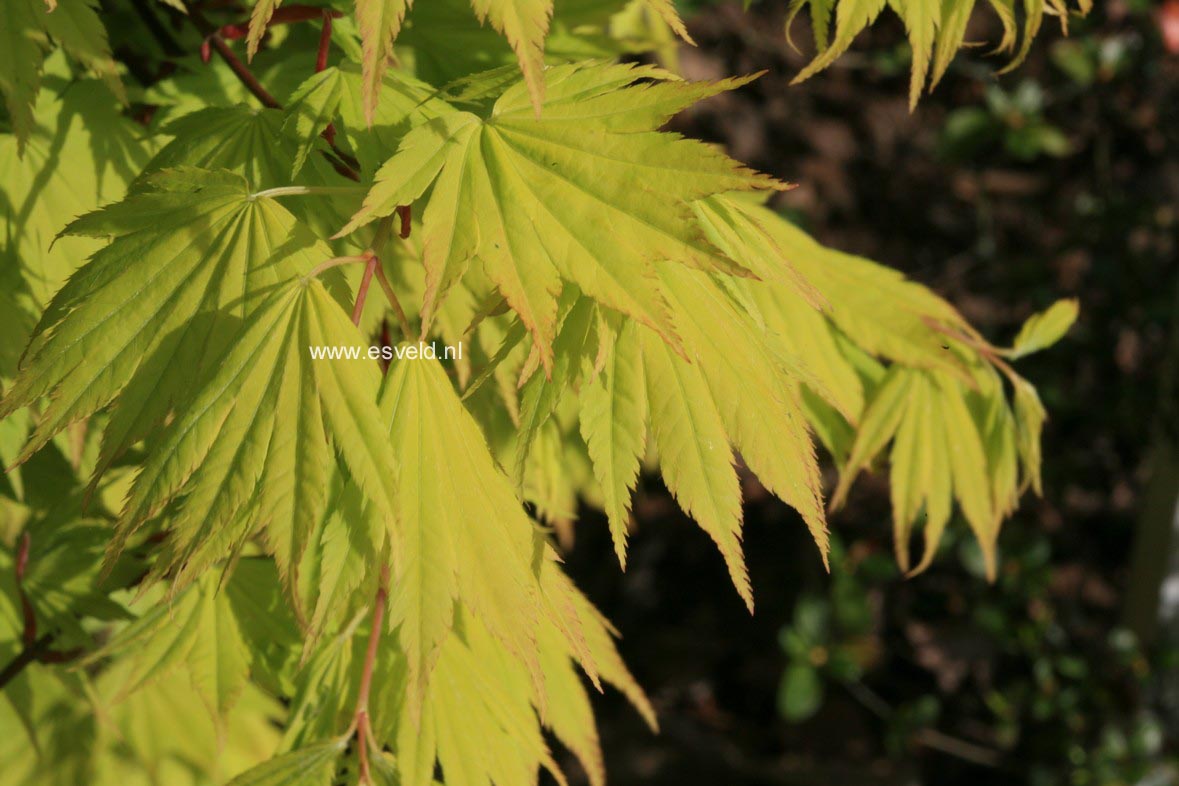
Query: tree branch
(325,42)
(405,212)
(370,267)
(364,734)
(30,654)
(240,69)
(34,649)
(343,163)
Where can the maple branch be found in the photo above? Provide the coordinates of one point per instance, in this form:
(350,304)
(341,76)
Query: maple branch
(366,280)
(340,164)
(364,732)
(30,654)
(34,650)
(244,74)
(379,239)
(240,69)
(372,268)
(325,42)
(406,214)
(343,163)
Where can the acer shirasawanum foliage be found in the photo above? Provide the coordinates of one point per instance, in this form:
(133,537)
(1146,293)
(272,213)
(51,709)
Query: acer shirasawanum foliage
(226,559)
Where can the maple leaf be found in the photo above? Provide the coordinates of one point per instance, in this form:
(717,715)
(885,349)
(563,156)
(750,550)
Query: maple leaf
(941,404)
(239,139)
(30,31)
(619,285)
(936,30)
(524,23)
(698,409)
(613,421)
(311,110)
(472,540)
(250,446)
(208,630)
(481,696)
(81,153)
(546,187)
(313,765)
(1044,329)
(191,251)
(335,560)
(379,22)
(874,305)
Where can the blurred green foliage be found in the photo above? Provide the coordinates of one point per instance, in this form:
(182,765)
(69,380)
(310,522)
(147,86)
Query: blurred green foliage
(1058,703)
(1012,121)
(831,636)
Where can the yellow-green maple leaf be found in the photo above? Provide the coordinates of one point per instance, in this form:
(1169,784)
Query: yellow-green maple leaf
(531,197)
(192,252)
(482,714)
(250,447)
(468,535)
(614,423)
(936,30)
(30,31)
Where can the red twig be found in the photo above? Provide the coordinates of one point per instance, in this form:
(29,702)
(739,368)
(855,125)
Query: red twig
(22,557)
(242,72)
(341,161)
(370,267)
(325,42)
(30,654)
(34,649)
(233,32)
(406,214)
(363,729)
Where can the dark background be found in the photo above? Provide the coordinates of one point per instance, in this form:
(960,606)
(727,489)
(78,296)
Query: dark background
(1002,194)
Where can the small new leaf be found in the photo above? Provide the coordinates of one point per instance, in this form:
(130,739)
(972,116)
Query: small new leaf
(379,22)
(311,110)
(1044,329)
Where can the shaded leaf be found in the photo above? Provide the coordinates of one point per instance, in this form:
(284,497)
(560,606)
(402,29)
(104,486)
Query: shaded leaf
(314,765)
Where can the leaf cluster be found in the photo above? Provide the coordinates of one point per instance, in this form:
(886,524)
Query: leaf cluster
(279,567)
